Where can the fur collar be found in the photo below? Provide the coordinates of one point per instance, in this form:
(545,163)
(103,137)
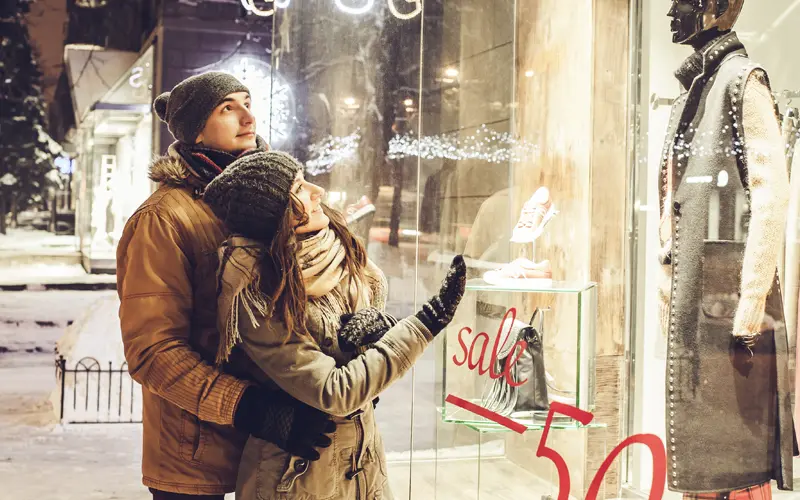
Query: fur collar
(171,170)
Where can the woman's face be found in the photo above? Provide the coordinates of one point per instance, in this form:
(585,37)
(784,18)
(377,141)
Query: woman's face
(311,197)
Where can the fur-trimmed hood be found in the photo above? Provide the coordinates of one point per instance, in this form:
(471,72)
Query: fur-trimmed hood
(172,170)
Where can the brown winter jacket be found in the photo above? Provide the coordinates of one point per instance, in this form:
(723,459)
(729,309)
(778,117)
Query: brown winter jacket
(166,265)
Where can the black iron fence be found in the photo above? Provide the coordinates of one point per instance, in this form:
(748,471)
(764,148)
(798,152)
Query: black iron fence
(90,393)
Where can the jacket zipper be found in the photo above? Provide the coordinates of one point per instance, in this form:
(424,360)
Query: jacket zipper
(359,445)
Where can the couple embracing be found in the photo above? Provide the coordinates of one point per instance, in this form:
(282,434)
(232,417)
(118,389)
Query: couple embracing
(254,320)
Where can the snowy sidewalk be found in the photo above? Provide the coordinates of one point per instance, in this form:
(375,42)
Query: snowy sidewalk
(34,259)
(38,458)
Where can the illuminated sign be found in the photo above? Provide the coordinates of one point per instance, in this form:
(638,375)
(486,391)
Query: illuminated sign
(353,7)
(135,80)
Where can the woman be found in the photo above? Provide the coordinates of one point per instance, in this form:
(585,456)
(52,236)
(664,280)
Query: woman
(289,274)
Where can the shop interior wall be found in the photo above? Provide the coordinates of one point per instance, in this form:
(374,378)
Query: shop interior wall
(609,256)
(574,105)
(554,112)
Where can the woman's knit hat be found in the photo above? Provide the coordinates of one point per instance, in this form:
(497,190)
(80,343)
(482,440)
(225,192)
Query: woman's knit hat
(251,196)
(187,107)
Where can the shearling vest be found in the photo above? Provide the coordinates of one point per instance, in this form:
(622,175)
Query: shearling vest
(728,411)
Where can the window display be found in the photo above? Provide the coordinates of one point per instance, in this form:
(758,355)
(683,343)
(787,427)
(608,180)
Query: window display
(727,317)
(722,219)
(496,357)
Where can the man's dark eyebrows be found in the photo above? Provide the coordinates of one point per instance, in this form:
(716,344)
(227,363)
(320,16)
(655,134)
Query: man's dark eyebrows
(231,99)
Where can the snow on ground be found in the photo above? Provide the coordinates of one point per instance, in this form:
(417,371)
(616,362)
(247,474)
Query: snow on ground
(33,242)
(33,257)
(41,273)
(31,320)
(40,459)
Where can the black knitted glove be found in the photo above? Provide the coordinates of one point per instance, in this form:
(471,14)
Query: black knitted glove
(291,425)
(364,328)
(438,312)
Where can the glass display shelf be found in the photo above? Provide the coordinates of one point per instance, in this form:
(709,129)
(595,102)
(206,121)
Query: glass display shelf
(529,286)
(531,420)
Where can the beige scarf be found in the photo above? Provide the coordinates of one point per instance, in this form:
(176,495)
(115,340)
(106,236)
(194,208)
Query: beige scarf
(329,286)
(325,276)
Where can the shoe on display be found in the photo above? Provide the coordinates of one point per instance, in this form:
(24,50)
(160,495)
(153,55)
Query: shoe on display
(521,273)
(536,213)
(358,210)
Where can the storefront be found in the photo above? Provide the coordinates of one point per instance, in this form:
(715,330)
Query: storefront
(435,129)
(525,134)
(431,128)
(113,144)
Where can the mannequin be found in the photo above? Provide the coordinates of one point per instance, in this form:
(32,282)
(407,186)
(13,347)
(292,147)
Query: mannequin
(724,194)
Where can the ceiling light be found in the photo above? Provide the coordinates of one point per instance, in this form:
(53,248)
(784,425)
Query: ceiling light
(451,72)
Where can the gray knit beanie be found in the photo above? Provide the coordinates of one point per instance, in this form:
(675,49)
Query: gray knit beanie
(251,196)
(187,107)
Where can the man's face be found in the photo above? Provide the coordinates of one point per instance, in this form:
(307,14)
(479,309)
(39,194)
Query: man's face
(687,19)
(231,126)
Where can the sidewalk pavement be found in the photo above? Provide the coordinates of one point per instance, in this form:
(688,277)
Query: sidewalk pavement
(32,259)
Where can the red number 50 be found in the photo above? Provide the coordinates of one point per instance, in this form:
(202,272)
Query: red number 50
(652,441)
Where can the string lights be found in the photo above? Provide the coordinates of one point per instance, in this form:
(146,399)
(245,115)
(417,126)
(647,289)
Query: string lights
(486,145)
(330,151)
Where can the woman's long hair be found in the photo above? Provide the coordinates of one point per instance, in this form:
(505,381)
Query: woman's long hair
(281,274)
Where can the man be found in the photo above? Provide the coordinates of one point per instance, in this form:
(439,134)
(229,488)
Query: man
(196,417)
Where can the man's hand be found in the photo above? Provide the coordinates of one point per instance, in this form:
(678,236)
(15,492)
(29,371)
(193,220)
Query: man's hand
(291,425)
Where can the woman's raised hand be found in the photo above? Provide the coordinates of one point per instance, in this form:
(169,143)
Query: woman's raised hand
(438,312)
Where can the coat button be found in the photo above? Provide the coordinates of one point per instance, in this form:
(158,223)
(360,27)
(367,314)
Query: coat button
(677,206)
(301,465)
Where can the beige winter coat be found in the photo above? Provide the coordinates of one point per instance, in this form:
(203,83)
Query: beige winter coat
(315,371)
